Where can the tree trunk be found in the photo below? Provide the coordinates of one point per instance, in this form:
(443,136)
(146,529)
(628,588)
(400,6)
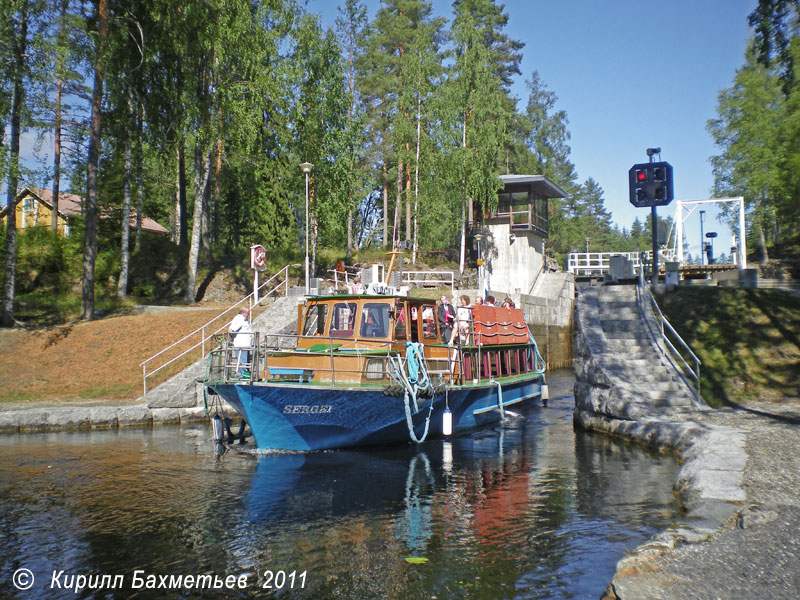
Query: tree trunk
(205,229)
(762,245)
(398,207)
(139,178)
(20,48)
(201,176)
(57,156)
(463,246)
(183,215)
(217,179)
(385,204)
(125,249)
(90,241)
(416,181)
(174,209)
(758,218)
(349,254)
(408,202)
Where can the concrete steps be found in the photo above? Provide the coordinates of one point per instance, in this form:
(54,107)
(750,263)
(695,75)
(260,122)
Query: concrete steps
(625,355)
(182,390)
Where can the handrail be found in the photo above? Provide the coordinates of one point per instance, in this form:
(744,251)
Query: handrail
(449,368)
(644,292)
(583,263)
(202,329)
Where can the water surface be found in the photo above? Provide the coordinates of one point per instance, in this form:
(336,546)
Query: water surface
(529,509)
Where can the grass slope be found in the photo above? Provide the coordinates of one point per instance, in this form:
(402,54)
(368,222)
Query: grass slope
(92,360)
(747,339)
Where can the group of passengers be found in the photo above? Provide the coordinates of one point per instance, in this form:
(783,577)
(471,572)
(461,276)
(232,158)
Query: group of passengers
(455,323)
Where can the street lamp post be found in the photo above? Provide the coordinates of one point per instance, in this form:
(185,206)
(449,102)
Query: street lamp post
(307,166)
(702,239)
(481,291)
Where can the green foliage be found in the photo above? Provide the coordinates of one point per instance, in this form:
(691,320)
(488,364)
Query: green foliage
(747,339)
(757,131)
(409,104)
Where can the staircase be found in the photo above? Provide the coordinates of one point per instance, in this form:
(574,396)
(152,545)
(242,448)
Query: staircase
(181,390)
(621,367)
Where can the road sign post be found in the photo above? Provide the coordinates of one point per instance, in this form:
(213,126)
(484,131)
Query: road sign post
(258,262)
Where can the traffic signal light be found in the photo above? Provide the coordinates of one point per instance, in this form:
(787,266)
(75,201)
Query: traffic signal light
(650,184)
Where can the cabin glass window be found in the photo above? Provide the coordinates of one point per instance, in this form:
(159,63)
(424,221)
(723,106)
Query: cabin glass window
(428,322)
(400,327)
(343,319)
(374,320)
(414,315)
(315,319)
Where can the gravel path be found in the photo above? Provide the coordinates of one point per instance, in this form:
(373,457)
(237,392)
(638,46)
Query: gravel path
(756,554)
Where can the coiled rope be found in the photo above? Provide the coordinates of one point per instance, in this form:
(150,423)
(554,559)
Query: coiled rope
(414,382)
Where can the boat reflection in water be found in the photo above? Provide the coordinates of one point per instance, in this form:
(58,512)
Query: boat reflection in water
(493,514)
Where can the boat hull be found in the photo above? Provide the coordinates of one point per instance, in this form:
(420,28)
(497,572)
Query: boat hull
(304,417)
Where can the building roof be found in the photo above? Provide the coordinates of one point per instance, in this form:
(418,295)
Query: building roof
(70,205)
(540,184)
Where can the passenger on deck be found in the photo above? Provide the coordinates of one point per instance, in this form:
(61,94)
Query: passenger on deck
(508,303)
(240,325)
(356,287)
(490,301)
(463,319)
(446,315)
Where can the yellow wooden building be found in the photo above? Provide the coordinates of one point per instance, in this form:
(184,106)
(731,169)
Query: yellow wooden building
(34,208)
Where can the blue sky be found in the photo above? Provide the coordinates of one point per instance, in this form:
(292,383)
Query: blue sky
(630,74)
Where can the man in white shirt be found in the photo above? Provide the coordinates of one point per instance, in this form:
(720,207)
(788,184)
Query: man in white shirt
(243,338)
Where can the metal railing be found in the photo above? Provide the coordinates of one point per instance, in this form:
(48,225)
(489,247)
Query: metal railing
(643,294)
(599,263)
(330,361)
(212,327)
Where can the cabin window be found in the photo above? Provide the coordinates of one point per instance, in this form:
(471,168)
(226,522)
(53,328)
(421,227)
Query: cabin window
(343,319)
(414,311)
(315,319)
(400,322)
(374,320)
(428,322)
(514,205)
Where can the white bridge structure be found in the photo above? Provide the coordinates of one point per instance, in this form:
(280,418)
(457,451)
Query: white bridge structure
(597,264)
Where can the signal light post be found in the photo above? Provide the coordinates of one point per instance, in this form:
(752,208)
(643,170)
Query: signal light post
(650,185)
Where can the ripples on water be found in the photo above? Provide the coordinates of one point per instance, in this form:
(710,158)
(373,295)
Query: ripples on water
(527,510)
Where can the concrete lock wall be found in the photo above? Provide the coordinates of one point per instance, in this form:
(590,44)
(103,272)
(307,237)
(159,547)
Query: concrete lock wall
(549,314)
(513,263)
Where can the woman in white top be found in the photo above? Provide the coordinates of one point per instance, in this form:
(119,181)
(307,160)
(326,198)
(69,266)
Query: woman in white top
(463,320)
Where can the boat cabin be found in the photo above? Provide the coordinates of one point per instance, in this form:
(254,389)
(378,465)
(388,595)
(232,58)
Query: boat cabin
(367,319)
(354,339)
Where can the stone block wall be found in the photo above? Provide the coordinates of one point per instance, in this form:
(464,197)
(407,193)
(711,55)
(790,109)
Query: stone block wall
(550,316)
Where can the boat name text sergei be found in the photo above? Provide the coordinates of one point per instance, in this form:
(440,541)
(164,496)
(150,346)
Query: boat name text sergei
(300,409)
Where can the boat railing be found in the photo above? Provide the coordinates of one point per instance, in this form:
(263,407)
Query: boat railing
(331,360)
(203,336)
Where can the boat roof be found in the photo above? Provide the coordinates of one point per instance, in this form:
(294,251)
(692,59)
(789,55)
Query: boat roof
(371,297)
